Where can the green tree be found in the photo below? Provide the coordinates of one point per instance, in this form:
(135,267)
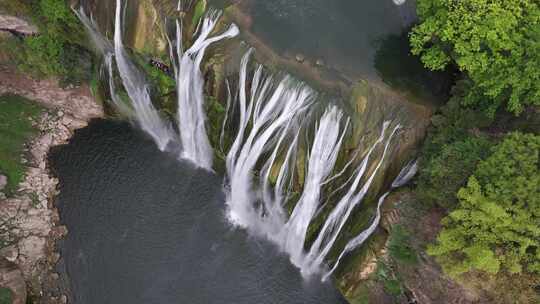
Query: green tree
(495,42)
(451,152)
(445,172)
(497,223)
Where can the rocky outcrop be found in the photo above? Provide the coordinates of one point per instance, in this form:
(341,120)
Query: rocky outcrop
(77,103)
(11,278)
(17,26)
(30,215)
(3,183)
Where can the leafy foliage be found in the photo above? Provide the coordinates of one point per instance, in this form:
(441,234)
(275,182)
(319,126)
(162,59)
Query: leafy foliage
(451,152)
(448,170)
(496,42)
(398,246)
(59,48)
(497,224)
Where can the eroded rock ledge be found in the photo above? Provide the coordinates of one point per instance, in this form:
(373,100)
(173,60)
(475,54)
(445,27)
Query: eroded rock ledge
(17,26)
(31,214)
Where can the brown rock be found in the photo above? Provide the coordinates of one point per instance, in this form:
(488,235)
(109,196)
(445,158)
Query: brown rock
(11,277)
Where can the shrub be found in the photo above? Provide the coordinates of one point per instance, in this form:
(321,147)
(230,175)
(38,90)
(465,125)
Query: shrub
(399,247)
(451,151)
(445,172)
(59,48)
(15,130)
(496,225)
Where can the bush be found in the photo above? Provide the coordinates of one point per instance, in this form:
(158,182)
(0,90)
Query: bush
(15,130)
(399,247)
(451,151)
(445,172)
(496,225)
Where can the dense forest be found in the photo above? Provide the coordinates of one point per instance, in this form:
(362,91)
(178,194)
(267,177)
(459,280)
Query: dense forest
(480,161)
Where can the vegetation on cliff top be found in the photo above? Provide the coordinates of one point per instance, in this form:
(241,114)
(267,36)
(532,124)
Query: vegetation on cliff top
(475,165)
(496,43)
(59,49)
(15,130)
(496,225)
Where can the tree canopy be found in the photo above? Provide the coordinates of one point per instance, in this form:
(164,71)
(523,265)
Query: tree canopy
(495,42)
(497,223)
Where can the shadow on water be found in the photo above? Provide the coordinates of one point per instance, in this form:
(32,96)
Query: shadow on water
(341,33)
(401,70)
(145,228)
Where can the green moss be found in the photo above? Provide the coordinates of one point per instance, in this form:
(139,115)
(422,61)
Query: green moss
(5,296)
(199,11)
(15,130)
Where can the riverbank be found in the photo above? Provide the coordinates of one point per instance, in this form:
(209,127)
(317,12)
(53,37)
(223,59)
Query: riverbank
(30,213)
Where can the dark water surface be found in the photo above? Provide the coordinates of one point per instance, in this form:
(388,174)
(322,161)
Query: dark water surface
(345,34)
(145,228)
(360,39)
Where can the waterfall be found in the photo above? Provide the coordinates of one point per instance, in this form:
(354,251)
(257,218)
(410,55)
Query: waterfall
(322,159)
(340,214)
(262,159)
(361,238)
(191,118)
(272,115)
(189,85)
(145,113)
(404,176)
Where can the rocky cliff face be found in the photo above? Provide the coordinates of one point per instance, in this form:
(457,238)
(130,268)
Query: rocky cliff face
(17,25)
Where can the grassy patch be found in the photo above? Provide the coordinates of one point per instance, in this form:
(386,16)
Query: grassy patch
(15,130)
(390,280)
(399,246)
(59,50)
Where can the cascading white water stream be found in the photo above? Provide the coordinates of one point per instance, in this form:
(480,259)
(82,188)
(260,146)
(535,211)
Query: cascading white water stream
(273,114)
(359,239)
(340,214)
(323,156)
(103,45)
(404,176)
(105,48)
(189,80)
(266,117)
(136,87)
(189,85)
